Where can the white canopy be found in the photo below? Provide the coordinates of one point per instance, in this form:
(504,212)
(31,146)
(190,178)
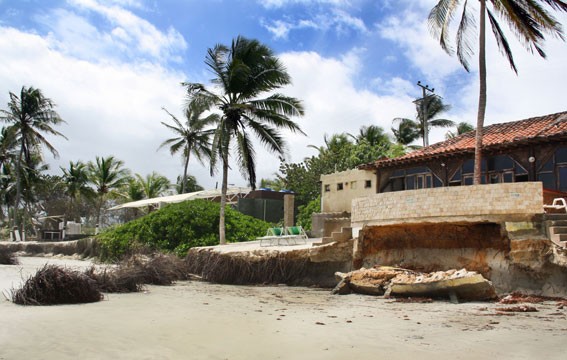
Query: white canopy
(231,193)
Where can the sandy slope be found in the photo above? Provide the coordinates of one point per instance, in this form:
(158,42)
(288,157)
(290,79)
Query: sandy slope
(194,320)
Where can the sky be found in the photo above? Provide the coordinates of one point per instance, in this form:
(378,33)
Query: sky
(111,66)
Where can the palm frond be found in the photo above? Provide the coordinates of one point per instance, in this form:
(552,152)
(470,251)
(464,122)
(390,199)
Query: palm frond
(464,44)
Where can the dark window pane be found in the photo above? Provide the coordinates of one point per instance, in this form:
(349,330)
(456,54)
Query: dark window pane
(368,184)
(398,184)
(548,166)
(500,162)
(548,180)
(561,155)
(522,178)
(563,179)
(410,182)
(467,180)
(494,178)
(437,182)
(419,182)
(417,170)
(468,167)
(339,186)
(428,181)
(508,177)
(457,176)
(520,169)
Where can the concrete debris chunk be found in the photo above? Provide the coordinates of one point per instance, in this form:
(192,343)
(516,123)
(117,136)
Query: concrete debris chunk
(451,284)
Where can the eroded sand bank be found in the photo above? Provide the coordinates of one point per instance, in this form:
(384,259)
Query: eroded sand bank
(194,320)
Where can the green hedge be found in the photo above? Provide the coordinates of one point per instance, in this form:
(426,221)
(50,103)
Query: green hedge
(178,227)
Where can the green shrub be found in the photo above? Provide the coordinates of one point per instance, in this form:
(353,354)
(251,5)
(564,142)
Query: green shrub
(177,228)
(305,212)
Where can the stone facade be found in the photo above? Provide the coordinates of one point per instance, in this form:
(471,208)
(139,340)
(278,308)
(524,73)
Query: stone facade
(340,188)
(514,201)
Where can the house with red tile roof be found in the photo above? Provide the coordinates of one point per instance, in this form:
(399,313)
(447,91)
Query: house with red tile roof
(533,149)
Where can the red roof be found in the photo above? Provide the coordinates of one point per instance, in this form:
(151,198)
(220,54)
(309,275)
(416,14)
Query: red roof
(533,130)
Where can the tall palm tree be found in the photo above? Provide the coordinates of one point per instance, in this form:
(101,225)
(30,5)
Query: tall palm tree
(108,175)
(192,137)
(243,72)
(31,115)
(462,127)
(416,128)
(76,179)
(528,20)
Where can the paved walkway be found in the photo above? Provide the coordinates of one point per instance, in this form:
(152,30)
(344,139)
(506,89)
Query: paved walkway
(255,245)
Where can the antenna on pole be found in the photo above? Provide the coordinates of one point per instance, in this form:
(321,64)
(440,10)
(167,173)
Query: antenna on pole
(425,89)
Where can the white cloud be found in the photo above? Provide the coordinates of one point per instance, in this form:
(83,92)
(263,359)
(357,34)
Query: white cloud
(110,109)
(122,30)
(271,4)
(335,18)
(333,103)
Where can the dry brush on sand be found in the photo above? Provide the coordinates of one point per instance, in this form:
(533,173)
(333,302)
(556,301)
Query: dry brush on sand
(54,285)
(7,257)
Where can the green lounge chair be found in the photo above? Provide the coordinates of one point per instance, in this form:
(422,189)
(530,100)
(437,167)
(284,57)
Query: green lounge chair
(273,235)
(295,234)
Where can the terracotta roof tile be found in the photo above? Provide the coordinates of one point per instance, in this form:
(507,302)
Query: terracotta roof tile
(529,130)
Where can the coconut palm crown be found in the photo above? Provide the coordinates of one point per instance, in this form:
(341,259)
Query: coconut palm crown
(529,20)
(243,73)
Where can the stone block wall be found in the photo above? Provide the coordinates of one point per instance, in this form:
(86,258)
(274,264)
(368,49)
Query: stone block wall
(461,203)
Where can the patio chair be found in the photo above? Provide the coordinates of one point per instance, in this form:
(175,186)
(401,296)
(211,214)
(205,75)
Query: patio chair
(273,235)
(295,234)
(558,204)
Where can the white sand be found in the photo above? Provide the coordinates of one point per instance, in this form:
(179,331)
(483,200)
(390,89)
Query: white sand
(193,320)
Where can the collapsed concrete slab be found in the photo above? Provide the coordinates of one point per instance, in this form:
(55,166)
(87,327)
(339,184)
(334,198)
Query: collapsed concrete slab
(457,285)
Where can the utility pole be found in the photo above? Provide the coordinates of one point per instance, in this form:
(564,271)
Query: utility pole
(425,89)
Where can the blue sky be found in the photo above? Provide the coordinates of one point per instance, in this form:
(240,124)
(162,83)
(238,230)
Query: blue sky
(110,66)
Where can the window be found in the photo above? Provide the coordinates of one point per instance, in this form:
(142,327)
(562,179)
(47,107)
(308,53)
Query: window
(339,186)
(368,184)
(327,187)
(409,179)
(353,185)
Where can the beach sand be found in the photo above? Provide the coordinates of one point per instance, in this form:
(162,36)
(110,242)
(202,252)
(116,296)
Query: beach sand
(196,320)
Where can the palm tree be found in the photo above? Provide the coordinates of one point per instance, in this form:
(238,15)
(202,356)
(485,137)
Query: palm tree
(415,129)
(462,127)
(244,72)
(153,185)
(373,134)
(406,132)
(32,115)
(76,179)
(187,184)
(528,20)
(192,137)
(108,175)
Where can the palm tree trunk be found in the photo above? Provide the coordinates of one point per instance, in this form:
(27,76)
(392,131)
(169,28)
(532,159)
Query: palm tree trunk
(222,234)
(481,96)
(185,174)
(99,208)
(18,190)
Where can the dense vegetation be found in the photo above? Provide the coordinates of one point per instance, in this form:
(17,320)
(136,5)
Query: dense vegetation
(178,227)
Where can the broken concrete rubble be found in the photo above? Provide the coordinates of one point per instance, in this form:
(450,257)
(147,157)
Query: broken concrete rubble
(391,281)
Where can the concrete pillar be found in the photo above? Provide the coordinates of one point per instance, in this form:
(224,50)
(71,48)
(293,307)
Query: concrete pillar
(288,201)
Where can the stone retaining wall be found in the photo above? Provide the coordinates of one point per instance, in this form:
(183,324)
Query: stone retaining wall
(515,201)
